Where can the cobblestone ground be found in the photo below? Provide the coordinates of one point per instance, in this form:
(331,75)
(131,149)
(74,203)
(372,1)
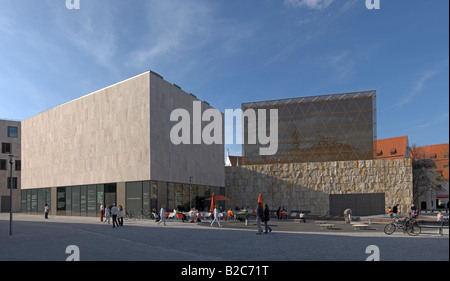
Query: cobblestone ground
(35,238)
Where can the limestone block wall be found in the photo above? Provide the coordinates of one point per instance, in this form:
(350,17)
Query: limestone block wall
(307,186)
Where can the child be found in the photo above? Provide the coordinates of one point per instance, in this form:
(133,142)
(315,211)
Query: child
(46,210)
(440,217)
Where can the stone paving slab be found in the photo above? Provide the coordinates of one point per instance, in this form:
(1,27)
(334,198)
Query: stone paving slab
(35,238)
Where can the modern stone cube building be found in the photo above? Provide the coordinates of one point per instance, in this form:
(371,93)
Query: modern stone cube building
(114,146)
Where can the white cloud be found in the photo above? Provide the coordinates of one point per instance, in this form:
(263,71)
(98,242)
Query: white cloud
(433,121)
(418,86)
(177,31)
(90,29)
(174,27)
(312,4)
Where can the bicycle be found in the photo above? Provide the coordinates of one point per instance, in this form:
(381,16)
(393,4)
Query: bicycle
(145,214)
(129,214)
(409,226)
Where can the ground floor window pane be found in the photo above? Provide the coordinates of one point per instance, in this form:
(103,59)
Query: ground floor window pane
(92,200)
(76,202)
(134,197)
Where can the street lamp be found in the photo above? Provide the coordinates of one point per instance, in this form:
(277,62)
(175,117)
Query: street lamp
(11,157)
(190,189)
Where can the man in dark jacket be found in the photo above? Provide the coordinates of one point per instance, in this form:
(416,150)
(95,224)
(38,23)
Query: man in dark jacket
(259,215)
(266,218)
(395,210)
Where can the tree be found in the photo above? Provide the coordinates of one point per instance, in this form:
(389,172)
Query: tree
(425,178)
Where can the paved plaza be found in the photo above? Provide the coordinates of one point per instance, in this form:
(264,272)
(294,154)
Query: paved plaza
(35,238)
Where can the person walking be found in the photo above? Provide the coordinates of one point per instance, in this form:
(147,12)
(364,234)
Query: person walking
(348,215)
(46,211)
(395,210)
(114,212)
(259,215)
(216,216)
(266,218)
(120,215)
(162,215)
(108,214)
(102,212)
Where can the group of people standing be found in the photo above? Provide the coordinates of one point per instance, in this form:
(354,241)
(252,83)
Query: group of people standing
(116,212)
(394,212)
(262,215)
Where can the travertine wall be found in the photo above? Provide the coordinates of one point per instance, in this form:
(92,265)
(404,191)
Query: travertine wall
(307,186)
(176,163)
(99,138)
(115,135)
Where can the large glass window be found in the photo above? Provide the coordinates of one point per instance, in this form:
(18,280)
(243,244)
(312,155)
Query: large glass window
(29,201)
(83,200)
(68,201)
(76,201)
(61,201)
(134,197)
(170,196)
(34,203)
(110,194)
(23,201)
(41,199)
(100,196)
(34,200)
(146,204)
(92,200)
(154,195)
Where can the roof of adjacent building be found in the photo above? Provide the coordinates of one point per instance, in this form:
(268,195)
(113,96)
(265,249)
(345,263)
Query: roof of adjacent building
(392,148)
(235,161)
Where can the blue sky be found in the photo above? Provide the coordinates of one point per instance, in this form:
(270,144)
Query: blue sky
(228,52)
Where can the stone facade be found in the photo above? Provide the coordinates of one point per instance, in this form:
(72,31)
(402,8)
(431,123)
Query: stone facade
(307,186)
(117,134)
(5,171)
